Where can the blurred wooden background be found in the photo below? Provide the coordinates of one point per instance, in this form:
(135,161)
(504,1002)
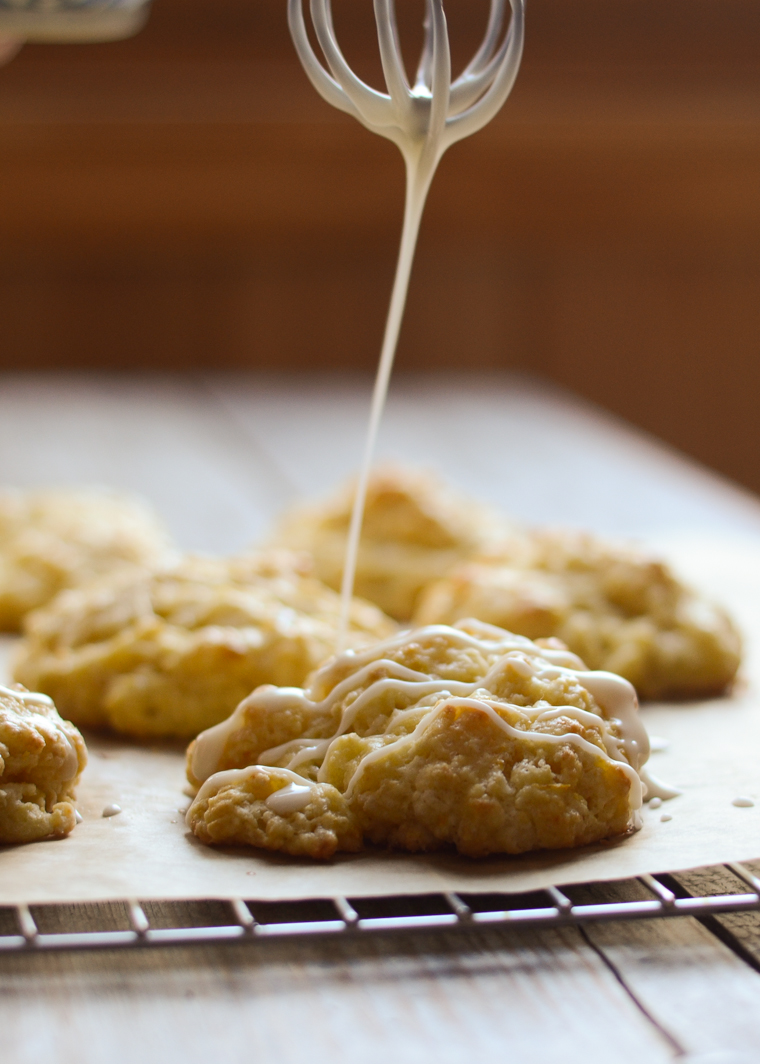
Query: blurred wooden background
(184,200)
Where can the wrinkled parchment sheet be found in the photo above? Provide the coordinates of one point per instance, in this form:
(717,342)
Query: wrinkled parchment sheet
(713,756)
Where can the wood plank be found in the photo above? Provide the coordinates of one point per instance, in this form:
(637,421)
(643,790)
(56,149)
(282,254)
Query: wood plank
(534,995)
(742,929)
(496,436)
(160,437)
(220,455)
(687,980)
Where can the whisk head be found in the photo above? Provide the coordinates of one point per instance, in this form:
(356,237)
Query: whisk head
(428,115)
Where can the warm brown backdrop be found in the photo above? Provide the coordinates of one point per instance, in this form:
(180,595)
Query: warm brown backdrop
(184,200)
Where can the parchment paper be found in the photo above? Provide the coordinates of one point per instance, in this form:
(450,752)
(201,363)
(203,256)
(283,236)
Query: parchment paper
(147,853)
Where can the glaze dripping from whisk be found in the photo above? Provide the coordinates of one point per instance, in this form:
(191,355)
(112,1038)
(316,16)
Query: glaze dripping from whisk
(423,119)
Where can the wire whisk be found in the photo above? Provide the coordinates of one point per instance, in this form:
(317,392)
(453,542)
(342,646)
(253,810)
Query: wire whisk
(423,119)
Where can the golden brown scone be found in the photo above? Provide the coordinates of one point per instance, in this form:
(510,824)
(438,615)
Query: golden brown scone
(170,651)
(50,540)
(415,529)
(614,606)
(41,760)
(464,736)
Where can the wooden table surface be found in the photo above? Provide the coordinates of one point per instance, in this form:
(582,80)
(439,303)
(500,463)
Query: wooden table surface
(218,456)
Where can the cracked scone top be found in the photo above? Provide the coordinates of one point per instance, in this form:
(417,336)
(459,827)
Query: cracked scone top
(414,530)
(464,736)
(615,606)
(54,539)
(172,650)
(41,760)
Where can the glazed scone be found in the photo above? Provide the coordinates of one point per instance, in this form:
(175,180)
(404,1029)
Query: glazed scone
(41,760)
(415,529)
(171,651)
(617,608)
(466,736)
(50,540)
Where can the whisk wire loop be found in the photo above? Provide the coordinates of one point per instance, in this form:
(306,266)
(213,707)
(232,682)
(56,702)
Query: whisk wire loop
(440,89)
(390,56)
(371,105)
(485,53)
(327,87)
(480,113)
(425,67)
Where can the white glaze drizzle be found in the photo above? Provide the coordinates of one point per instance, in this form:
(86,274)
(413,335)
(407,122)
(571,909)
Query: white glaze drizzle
(306,750)
(615,696)
(29,698)
(70,767)
(296,791)
(218,781)
(483,706)
(209,746)
(290,799)
(618,699)
(655,788)
(454,636)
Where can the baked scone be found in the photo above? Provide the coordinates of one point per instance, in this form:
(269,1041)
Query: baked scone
(41,760)
(464,736)
(415,529)
(54,539)
(172,650)
(617,608)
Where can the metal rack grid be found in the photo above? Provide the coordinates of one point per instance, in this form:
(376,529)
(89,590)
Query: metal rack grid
(258,921)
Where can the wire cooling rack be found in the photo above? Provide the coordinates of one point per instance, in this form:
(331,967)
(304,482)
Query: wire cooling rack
(131,924)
